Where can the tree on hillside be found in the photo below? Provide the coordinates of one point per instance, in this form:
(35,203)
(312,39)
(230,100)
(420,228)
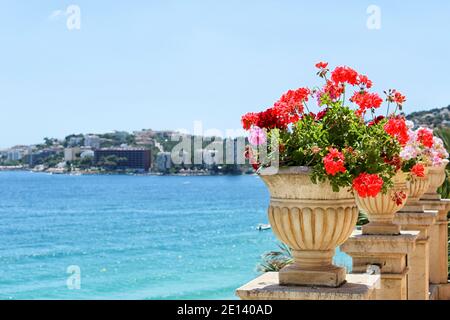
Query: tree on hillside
(112,162)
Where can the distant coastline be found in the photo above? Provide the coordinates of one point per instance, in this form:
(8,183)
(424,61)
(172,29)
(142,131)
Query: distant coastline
(141,152)
(111,173)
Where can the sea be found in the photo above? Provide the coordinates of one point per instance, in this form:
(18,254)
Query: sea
(131,237)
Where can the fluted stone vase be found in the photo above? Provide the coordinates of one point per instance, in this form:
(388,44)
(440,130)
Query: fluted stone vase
(436,176)
(381,209)
(416,189)
(312,220)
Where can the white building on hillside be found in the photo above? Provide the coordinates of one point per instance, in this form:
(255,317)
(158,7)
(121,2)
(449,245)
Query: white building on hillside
(71,154)
(92,141)
(14,155)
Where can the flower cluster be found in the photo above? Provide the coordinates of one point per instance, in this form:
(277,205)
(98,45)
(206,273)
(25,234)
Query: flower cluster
(399,197)
(338,143)
(425,137)
(396,127)
(272,118)
(418,170)
(334,162)
(366,101)
(343,75)
(285,111)
(424,147)
(393,96)
(368,185)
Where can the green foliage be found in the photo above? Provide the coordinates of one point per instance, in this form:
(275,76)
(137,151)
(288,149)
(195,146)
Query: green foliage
(362,219)
(10,163)
(274,261)
(365,148)
(51,161)
(87,162)
(111,162)
(83,163)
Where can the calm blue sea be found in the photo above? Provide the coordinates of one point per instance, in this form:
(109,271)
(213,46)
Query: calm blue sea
(132,237)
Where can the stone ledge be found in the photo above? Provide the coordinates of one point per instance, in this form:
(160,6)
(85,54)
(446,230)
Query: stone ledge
(416,219)
(375,244)
(395,276)
(267,287)
(444,291)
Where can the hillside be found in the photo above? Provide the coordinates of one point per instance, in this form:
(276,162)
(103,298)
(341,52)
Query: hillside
(434,118)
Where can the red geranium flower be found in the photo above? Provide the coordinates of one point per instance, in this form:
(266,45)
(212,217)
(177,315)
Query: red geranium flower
(334,162)
(364,81)
(377,120)
(321,114)
(249,120)
(399,98)
(366,101)
(334,90)
(322,65)
(396,162)
(425,137)
(399,197)
(256,166)
(418,170)
(344,75)
(368,185)
(292,101)
(397,128)
(272,118)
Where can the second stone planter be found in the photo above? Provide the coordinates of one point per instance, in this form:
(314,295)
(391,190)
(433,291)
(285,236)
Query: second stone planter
(416,189)
(312,220)
(381,209)
(436,176)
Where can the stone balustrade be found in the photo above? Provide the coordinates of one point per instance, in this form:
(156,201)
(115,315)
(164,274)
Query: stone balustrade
(412,264)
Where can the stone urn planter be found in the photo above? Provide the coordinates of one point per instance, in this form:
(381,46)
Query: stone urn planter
(381,210)
(436,176)
(418,186)
(416,189)
(312,220)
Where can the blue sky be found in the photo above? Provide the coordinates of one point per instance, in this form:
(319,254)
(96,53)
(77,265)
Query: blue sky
(164,64)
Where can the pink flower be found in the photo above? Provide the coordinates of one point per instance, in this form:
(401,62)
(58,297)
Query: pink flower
(437,160)
(409,152)
(257,136)
(439,148)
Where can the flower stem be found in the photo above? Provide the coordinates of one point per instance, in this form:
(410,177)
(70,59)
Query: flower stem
(306,106)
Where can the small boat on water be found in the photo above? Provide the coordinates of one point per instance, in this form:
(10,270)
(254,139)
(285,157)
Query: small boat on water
(262,227)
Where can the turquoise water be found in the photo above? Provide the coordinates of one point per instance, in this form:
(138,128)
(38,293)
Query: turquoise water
(133,237)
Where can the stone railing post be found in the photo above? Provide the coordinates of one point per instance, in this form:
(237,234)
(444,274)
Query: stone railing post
(418,260)
(413,218)
(438,233)
(389,253)
(438,243)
